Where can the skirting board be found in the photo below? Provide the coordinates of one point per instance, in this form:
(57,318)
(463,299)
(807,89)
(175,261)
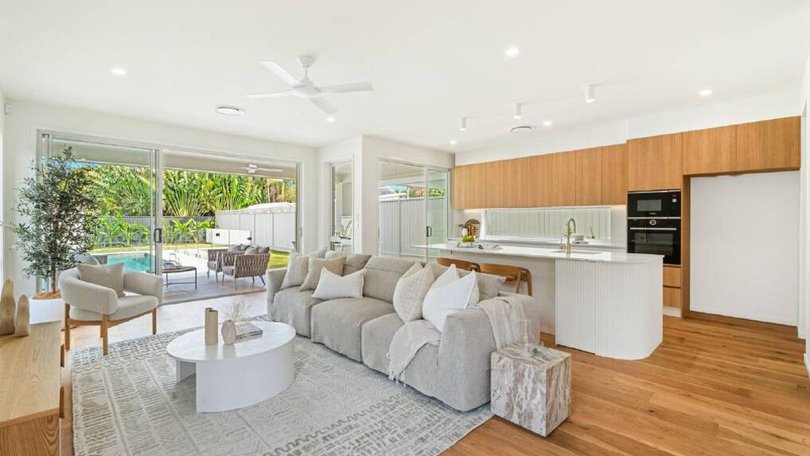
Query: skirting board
(672,311)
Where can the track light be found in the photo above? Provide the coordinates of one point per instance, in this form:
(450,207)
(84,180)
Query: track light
(463,124)
(518,111)
(590,93)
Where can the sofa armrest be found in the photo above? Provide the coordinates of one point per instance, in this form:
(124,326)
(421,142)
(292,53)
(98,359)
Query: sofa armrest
(275,277)
(87,296)
(144,284)
(464,359)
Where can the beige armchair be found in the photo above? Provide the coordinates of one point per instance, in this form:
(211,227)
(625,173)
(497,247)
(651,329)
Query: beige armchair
(90,304)
(252,266)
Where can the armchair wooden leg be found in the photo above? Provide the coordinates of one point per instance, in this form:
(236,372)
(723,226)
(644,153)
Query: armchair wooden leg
(104,328)
(67,327)
(154,321)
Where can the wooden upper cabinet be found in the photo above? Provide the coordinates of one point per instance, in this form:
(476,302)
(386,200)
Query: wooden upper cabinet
(588,177)
(469,186)
(495,189)
(614,174)
(564,170)
(516,182)
(540,181)
(655,163)
(768,145)
(709,151)
(457,190)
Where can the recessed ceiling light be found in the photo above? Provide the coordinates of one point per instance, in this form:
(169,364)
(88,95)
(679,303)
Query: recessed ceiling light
(547,123)
(512,52)
(590,93)
(521,129)
(330,119)
(453,142)
(118,71)
(706,92)
(227,110)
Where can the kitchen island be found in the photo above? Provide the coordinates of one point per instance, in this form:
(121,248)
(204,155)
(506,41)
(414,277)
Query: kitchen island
(607,303)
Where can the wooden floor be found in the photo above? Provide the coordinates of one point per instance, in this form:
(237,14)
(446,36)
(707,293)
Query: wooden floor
(716,386)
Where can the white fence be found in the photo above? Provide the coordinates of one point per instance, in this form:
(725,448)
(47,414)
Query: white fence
(403,222)
(273,229)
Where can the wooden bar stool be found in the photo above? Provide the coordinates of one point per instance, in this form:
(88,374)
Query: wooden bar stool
(460,264)
(512,273)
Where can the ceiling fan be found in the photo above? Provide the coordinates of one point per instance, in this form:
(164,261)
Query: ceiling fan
(252,168)
(305,88)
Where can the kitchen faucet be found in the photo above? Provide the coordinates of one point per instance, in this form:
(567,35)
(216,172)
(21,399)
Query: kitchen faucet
(570,228)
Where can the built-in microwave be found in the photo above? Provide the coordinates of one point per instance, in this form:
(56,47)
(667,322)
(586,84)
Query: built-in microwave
(659,204)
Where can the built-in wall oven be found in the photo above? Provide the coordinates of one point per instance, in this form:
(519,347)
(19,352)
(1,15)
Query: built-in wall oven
(654,224)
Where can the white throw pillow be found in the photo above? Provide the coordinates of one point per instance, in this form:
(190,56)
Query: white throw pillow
(333,286)
(448,295)
(297,268)
(410,291)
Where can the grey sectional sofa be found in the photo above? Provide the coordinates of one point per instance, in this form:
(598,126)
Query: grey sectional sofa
(456,372)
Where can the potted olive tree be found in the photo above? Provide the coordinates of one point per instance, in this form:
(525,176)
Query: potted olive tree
(56,207)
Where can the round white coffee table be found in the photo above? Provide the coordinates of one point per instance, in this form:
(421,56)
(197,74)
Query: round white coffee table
(235,376)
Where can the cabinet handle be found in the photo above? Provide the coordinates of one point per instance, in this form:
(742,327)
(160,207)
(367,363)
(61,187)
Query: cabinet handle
(633,228)
(62,402)
(62,355)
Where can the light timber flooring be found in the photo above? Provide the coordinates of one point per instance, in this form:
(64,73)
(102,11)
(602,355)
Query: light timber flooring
(716,386)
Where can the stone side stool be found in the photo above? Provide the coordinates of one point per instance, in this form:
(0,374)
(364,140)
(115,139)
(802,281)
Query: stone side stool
(531,386)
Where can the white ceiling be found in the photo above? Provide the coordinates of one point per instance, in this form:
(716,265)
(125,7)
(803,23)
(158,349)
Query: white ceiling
(430,61)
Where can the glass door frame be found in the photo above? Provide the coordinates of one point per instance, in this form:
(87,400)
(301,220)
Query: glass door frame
(45,151)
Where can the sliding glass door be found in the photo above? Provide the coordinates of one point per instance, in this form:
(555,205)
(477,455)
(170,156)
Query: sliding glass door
(128,228)
(413,209)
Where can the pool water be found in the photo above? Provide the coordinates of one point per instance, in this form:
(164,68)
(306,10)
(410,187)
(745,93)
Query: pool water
(141,262)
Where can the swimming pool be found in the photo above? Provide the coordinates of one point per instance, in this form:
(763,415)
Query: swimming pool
(138,261)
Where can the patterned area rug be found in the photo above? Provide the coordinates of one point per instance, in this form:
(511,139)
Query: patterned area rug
(128,404)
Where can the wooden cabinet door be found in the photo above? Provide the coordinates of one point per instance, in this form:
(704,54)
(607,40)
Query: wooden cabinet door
(655,163)
(564,169)
(476,186)
(709,151)
(588,177)
(614,174)
(516,182)
(768,145)
(494,185)
(457,177)
(540,181)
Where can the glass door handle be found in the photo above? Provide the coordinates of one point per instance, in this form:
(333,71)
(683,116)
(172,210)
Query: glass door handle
(429,231)
(158,235)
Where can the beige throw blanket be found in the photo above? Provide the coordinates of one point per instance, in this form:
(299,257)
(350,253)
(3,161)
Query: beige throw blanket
(506,315)
(407,341)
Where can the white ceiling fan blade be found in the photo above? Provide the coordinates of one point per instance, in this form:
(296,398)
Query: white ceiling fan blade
(280,72)
(323,104)
(284,93)
(346,88)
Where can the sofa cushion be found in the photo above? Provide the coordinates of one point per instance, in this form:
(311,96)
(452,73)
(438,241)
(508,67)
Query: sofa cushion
(382,274)
(294,307)
(411,290)
(106,275)
(338,323)
(297,267)
(316,265)
(128,306)
(449,294)
(333,286)
(252,250)
(489,285)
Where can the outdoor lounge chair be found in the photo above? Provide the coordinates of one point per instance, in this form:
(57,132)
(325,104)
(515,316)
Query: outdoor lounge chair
(254,265)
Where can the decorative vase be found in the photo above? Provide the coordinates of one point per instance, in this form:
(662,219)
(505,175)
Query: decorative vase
(211,324)
(22,320)
(229,332)
(8,308)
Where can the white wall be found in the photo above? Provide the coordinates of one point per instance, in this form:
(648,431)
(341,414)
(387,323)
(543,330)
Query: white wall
(2,167)
(20,145)
(744,254)
(804,280)
(780,103)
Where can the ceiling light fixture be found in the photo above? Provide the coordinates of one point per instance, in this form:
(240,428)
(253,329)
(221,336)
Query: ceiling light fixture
(453,142)
(547,123)
(706,92)
(521,129)
(590,93)
(330,119)
(118,71)
(228,110)
(518,111)
(463,124)
(512,52)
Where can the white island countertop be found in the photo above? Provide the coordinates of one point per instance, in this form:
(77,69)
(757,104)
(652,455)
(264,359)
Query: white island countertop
(550,253)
